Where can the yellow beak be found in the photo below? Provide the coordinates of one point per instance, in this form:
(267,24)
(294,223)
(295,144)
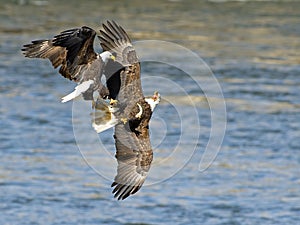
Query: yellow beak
(113,57)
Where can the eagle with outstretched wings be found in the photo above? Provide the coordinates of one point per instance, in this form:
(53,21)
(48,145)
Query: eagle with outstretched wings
(72,50)
(118,102)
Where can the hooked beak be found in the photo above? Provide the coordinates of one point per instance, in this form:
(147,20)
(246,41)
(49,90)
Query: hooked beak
(156,96)
(113,57)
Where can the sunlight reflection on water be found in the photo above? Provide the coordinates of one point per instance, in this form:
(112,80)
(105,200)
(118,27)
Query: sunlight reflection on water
(253,50)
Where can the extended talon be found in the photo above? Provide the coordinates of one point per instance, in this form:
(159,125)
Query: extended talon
(124,120)
(139,114)
(113,101)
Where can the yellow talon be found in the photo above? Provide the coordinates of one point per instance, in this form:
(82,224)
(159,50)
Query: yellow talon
(113,101)
(124,120)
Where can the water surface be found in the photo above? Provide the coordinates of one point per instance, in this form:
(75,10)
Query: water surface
(253,50)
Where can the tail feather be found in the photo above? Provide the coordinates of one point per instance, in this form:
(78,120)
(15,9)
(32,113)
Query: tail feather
(103,118)
(79,89)
(105,126)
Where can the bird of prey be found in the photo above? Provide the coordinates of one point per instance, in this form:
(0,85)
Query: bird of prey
(73,51)
(118,102)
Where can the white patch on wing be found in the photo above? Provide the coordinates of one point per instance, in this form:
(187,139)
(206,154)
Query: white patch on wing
(139,114)
(79,89)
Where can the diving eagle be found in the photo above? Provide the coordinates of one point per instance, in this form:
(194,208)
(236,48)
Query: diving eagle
(116,102)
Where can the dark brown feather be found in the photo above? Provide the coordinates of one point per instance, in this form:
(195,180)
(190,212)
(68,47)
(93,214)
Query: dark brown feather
(114,39)
(71,49)
(134,153)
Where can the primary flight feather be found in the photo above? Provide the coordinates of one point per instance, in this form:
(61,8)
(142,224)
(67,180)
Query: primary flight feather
(119,102)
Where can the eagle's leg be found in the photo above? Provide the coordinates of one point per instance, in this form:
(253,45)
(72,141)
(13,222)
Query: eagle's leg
(139,114)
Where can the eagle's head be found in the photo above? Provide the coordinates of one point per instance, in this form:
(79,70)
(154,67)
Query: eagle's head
(105,56)
(153,100)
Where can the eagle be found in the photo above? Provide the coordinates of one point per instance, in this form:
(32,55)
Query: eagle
(111,80)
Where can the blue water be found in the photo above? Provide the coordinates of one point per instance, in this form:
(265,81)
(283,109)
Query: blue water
(253,51)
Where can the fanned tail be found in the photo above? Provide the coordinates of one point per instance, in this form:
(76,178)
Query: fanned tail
(103,117)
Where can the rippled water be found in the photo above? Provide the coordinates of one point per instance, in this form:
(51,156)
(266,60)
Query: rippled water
(252,48)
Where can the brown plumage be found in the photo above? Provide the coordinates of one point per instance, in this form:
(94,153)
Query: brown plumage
(72,50)
(134,152)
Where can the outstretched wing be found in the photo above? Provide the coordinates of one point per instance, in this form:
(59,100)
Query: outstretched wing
(72,50)
(134,157)
(123,75)
(134,153)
